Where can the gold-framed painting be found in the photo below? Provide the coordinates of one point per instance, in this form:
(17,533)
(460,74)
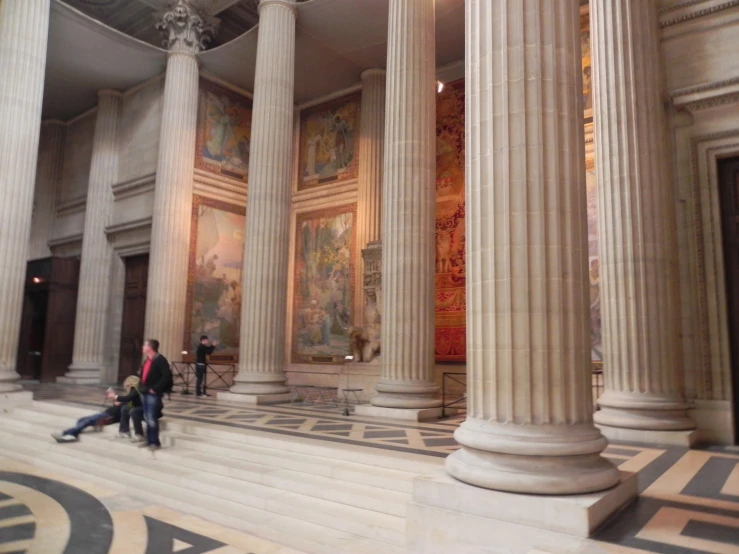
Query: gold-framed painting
(450,297)
(587,68)
(323,284)
(214,276)
(224,131)
(329,142)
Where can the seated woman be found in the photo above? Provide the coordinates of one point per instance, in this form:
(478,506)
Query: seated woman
(131,409)
(106,417)
(113,414)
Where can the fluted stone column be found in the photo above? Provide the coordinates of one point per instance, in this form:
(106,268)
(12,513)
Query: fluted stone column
(90,348)
(529,426)
(48,174)
(408,217)
(170,229)
(371,150)
(261,377)
(638,240)
(24,29)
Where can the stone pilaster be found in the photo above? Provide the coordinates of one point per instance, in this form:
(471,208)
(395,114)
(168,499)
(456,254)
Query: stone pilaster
(48,174)
(529,426)
(90,348)
(185,32)
(371,150)
(408,217)
(261,376)
(24,29)
(638,239)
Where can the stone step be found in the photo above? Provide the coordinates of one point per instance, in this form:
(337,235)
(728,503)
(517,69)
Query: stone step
(382,468)
(102,456)
(262,473)
(301,535)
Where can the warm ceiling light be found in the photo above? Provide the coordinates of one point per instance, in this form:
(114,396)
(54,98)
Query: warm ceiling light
(36,280)
(439,86)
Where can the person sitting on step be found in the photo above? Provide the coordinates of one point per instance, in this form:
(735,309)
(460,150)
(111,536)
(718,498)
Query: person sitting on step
(98,420)
(131,409)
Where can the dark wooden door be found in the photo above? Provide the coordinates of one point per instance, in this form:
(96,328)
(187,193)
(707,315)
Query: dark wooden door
(728,171)
(134,308)
(61,313)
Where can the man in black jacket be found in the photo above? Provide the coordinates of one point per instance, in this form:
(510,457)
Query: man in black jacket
(155,379)
(204,349)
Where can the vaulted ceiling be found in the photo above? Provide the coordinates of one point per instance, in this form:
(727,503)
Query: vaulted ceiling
(96,44)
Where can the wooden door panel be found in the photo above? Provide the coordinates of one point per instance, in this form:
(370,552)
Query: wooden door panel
(728,171)
(134,309)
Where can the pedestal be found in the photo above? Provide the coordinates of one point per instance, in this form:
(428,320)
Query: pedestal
(447,516)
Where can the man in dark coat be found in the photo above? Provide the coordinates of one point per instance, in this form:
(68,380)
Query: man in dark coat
(155,379)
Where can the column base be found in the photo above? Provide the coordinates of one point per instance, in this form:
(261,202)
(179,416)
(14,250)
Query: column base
(9,399)
(449,516)
(649,437)
(715,421)
(422,414)
(407,395)
(643,412)
(81,374)
(254,399)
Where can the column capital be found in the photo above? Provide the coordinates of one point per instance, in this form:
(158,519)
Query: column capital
(185,28)
(109,92)
(53,123)
(287,4)
(375,72)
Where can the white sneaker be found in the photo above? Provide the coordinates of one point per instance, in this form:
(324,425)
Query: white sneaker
(124,436)
(138,438)
(58,437)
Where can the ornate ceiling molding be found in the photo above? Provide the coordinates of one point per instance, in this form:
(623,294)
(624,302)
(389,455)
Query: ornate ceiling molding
(693,9)
(708,95)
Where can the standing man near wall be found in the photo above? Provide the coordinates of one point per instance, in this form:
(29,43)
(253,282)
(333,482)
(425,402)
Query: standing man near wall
(201,364)
(156,379)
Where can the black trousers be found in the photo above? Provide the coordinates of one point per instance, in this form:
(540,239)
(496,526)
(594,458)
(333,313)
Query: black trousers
(136,415)
(200,370)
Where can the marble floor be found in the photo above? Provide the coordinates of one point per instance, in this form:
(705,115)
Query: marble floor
(689,499)
(45,513)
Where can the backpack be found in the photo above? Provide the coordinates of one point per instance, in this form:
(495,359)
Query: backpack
(168,381)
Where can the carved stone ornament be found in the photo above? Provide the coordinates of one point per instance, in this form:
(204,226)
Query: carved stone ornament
(185,28)
(367,340)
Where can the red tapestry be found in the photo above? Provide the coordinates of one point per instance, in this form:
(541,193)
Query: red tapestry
(450,238)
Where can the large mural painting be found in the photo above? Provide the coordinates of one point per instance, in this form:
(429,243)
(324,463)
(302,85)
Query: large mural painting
(323,295)
(450,238)
(329,142)
(596,337)
(214,277)
(587,68)
(224,131)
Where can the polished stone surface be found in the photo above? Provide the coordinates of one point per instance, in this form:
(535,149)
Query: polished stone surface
(43,512)
(689,499)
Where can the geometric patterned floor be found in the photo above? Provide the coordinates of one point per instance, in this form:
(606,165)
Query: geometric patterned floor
(689,499)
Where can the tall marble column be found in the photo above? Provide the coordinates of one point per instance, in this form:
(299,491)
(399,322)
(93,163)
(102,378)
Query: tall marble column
(90,348)
(48,174)
(408,218)
(529,427)
(261,377)
(24,29)
(371,150)
(638,240)
(186,32)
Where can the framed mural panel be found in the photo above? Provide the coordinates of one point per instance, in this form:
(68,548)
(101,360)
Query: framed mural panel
(450,234)
(587,69)
(214,276)
(329,142)
(323,285)
(224,131)
(596,335)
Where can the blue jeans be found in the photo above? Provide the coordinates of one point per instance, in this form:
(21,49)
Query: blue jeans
(136,415)
(152,404)
(84,423)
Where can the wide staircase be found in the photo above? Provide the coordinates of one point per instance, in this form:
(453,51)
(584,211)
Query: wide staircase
(315,496)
